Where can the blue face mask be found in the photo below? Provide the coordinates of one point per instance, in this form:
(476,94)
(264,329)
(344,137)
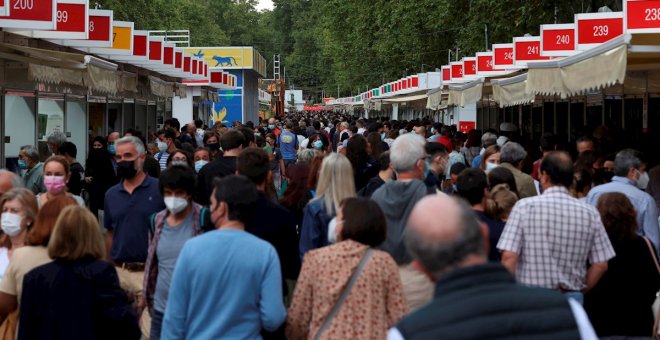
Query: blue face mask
(428,168)
(200,164)
(318,145)
(490,166)
(433,131)
(22,164)
(111,149)
(271,126)
(383,135)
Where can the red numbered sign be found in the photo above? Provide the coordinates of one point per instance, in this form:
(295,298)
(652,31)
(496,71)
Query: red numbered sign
(456,70)
(446,73)
(527,49)
(31,14)
(597,28)
(464,126)
(140,43)
(72,16)
(4,8)
(642,16)
(484,62)
(558,40)
(503,55)
(470,66)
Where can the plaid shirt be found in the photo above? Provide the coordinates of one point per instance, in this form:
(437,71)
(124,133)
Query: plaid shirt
(555,235)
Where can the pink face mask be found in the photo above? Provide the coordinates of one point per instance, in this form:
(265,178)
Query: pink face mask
(54,184)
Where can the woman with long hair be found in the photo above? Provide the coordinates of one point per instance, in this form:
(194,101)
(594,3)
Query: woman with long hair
(56,174)
(619,305)
(375,301)
(357,153)
(19,211)
(335,183)
(295,196)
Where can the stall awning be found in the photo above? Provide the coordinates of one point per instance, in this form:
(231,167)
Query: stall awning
(595,69)
(436,99)
(511,91)
(161,88)
(404,99)
(465,94)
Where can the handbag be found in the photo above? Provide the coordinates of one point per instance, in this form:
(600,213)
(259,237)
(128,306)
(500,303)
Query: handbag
(656,304)
(344,294)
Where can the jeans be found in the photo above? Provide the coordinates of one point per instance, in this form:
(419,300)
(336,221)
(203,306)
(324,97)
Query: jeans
(577,296)
(156,324)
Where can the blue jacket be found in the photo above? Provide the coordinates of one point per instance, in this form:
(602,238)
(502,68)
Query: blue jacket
(314,231)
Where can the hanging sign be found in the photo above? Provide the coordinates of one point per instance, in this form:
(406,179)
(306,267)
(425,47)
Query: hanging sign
(446,73)
(72,22)
(30,14)
(456,70)
(99,28)
(485,63)
(503,56)
(558,40)
(122,40)
(527,49)
(642,16)
(470,67)
(594,29)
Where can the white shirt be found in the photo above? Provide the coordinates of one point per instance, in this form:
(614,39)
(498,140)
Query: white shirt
(587,331)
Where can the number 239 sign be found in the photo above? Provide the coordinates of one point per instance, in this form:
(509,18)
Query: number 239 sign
(29,14)
(597,28)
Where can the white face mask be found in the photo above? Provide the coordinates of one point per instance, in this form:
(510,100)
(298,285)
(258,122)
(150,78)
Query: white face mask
(11,224)
(643,180)
(162,146)
(176,204)
(490,166)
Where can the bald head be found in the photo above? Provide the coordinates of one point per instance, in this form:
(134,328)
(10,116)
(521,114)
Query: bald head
(8,181)
(443,242)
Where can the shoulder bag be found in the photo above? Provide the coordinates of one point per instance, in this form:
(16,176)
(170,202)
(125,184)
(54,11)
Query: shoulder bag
(344,294)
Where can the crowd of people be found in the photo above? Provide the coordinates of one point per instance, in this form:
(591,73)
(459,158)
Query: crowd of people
(329,226)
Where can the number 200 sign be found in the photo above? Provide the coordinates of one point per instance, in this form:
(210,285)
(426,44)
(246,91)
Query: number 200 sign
(29,14)
(642,16)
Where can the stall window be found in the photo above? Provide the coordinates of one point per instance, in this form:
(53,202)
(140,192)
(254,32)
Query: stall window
(50,120)
(19,129)
(129,115)
(76,126)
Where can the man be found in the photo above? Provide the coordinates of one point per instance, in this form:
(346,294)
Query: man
(33,177)
(385,174)
(8,181)
(445,138)
(199,132)
(512,156)
(127,211)
(166,146)
(227,282)
(436,164)
(273,223)
(507,133)
(548,239)
(55,141)
(396,199)
(232,144)
(548,142)
(421,130)
(584,143)
(626,174)
(475,299)
(487,140)
(272,127)
(112,149)
(288,143)
(472,186)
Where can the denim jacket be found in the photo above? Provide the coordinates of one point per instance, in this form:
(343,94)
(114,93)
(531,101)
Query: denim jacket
(314,231)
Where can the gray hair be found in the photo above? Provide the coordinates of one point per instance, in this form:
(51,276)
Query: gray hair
(30,152)
(132,140)
(488,139)
(406,151)
(306,155)
(625,160)
(512,153)
(440,255)
(16,181)
(57,138)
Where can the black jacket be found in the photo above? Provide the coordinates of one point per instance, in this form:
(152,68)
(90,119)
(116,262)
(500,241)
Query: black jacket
(221,167)
(484,302)
(78,299)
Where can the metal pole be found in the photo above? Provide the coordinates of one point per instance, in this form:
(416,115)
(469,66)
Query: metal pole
(486,35)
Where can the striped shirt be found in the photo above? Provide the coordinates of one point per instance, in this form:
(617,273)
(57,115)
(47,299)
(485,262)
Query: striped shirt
(555,235)
(162,157)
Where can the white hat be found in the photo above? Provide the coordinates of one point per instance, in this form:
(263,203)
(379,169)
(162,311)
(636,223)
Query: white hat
(501,140)
(508,127)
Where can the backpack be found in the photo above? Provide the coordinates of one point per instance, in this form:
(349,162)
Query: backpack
(205,223)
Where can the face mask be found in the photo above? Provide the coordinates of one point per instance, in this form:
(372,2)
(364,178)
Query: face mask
(162,146)
(175,204)
(271,126)
(318,145)
(382,136)
(433,131)
(200,164)
(22,164)
(257,134)
(643,180)
(179,162)
(490,166)
(126,169)
(213,146)
(54,184)
(11,224)
(111,149)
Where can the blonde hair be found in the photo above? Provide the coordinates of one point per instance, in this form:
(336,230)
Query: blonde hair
(500,201)
(335,182)
(76,235)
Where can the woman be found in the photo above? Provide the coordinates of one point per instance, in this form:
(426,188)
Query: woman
(376,300)
(375,145)
(212,142)
(455,156)
(318,142)
(501,175)
(172,227)
(19,210)
(27,258)
(201,157)
(501,201)
(77,296)
(491,158)
(180,157)
(99,174)
(294,197)
(364,167)
(618,305)
(472,145)
(56,175)
(335,183)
